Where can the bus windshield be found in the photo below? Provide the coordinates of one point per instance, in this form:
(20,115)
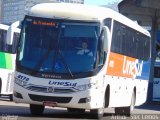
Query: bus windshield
(56,46)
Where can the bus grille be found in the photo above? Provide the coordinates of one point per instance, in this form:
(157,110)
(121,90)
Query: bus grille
(56,89)
(59,90)
(40,98)
(37,89)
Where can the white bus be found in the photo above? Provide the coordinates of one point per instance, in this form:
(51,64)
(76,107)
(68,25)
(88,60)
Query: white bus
(7,58)
(51,69)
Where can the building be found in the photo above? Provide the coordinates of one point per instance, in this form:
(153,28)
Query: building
(13,10)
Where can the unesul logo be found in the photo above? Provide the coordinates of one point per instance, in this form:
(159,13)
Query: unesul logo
(62,83)
(132,68)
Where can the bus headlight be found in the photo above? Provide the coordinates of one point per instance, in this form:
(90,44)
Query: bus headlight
(83,87)
(21,82)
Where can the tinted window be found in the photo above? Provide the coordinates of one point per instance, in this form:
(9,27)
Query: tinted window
(58,47)
(3,35)
(129,42)
(157,72)
(4,47)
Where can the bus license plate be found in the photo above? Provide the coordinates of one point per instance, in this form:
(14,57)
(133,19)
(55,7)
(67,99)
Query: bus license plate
(50,103)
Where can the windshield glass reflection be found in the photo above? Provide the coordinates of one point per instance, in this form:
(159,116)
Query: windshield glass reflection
(58,47)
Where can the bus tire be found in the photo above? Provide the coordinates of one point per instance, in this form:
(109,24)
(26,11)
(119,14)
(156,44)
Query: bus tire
(75,110)
(126,110)
(11,97)
(119,111)
(98,113)
(130,109)
(36,109)
(107,96)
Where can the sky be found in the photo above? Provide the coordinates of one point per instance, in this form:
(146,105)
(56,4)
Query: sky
(99,2)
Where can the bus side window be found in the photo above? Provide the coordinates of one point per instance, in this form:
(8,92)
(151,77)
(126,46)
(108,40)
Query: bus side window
(157,72)
(100,53)
(123,40)
(129,42)
(116,45)
(1,40)
(3,35)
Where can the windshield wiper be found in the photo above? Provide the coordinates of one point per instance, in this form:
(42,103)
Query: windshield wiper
(65,64)
(60,53)
(42,59)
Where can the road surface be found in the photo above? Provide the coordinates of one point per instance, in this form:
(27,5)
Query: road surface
(12,111)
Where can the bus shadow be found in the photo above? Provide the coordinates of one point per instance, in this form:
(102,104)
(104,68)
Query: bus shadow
(13,110)
(150,106)
(23,112)
(69,116)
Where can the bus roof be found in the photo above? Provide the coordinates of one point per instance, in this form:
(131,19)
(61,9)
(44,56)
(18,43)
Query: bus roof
(4,27)
(81,12)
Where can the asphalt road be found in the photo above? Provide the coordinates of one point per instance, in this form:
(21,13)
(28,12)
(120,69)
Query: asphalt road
(12,111)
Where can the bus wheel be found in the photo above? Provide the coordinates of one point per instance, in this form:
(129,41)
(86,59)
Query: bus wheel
(76,110)
(11,97)
(98,113)
(126,110)
(120,111)
(130,109)
(36,109)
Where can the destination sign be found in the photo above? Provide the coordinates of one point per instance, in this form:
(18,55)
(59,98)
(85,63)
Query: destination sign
(46,23)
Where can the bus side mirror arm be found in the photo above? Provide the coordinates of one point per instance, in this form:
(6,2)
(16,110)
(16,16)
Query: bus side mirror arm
(107,38)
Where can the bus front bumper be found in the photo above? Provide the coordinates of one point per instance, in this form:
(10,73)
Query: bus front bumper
(88,99)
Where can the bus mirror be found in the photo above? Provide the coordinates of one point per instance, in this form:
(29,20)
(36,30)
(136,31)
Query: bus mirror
(10,32)
(106,36)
